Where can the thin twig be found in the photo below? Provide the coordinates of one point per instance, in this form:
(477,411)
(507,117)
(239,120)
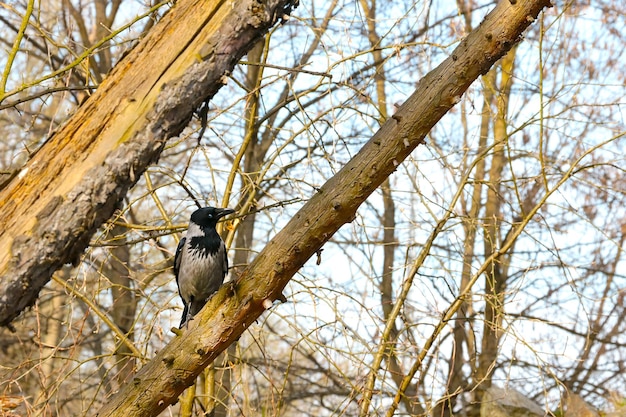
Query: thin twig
(16,47)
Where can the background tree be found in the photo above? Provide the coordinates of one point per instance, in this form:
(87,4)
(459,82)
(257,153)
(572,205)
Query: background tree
(542,131)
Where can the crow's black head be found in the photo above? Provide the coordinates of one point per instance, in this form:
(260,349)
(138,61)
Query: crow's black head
(208,216)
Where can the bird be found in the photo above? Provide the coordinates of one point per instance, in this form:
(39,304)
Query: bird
(201,262)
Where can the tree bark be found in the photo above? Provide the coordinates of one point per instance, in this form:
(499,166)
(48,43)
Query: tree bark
(237,305)
(52,207)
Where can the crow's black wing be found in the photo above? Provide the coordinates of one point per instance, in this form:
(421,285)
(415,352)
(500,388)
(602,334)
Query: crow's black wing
(225,263)
(178,257)
(177,260)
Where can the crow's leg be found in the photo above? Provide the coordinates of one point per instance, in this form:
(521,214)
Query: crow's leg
(185,318)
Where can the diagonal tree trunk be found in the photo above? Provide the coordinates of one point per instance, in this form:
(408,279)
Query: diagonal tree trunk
(50,210)
(234,307)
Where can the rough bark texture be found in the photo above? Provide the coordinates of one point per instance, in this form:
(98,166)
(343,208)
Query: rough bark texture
(50,210)
(237,305)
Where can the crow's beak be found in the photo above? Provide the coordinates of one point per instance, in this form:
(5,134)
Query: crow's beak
(223,212)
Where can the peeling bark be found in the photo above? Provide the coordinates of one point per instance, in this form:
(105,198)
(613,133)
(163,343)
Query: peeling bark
(50,210)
